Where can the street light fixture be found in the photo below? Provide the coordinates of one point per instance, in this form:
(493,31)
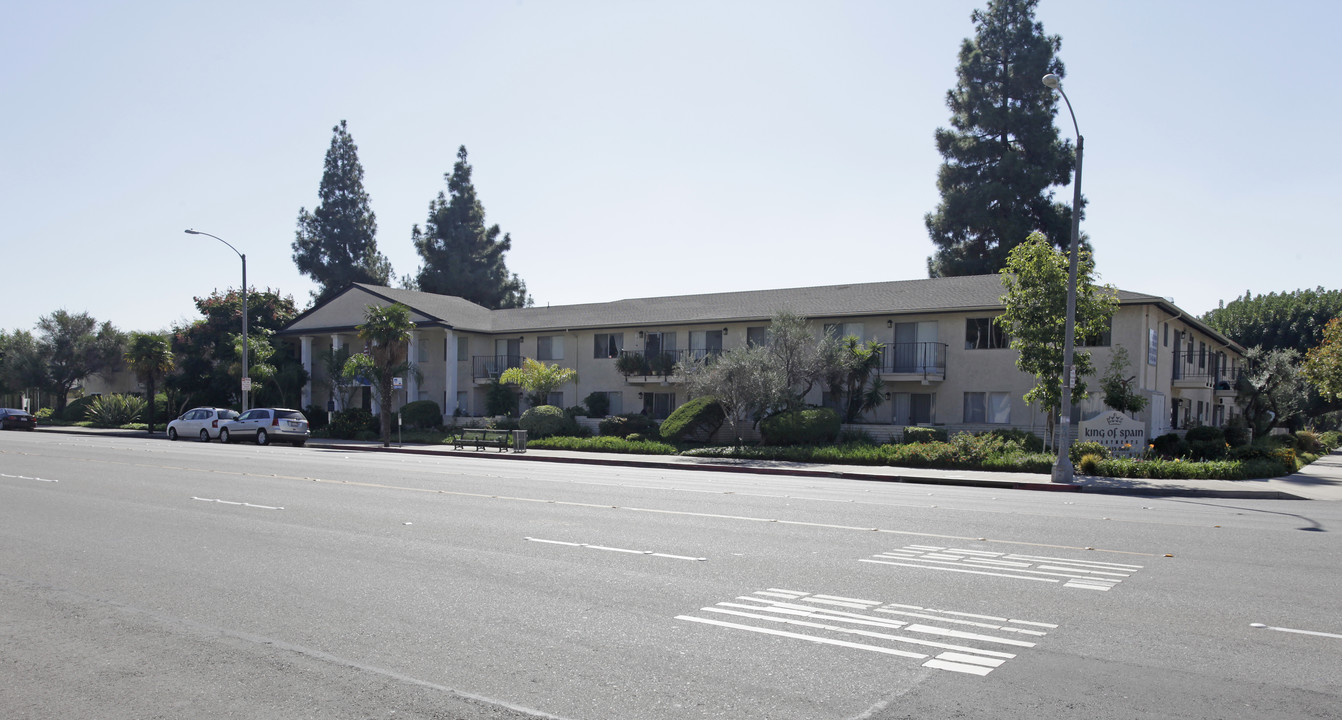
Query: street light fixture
(1062,466)
(245,379)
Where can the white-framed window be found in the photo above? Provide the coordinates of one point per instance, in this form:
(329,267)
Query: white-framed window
(984,334)
(757,336)
(704,343)
(987,407)
(839,331)
(550,347)
(555,398)
(607,345)
(914,408)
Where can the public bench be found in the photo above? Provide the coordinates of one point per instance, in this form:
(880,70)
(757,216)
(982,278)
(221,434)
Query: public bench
(482,438)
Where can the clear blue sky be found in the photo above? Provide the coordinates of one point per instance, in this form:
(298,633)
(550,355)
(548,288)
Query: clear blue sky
(638,149)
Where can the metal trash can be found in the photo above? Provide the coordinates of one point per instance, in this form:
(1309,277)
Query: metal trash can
(519,441)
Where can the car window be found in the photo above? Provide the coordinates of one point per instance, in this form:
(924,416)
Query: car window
(228,415)
(290,414)
(198,415)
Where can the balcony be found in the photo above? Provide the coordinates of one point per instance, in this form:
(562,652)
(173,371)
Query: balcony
(1226,382)
(486,369)
(659,367)
(923,362)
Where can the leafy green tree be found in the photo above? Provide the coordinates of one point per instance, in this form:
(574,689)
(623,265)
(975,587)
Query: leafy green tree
(1002,154)
(1035,317)
(1323,363)
(150,356)
(21,364)
(1117,384)
(1272,392)
(1275,321)
(339,384)
(747,381)
(462,256)
(76,346)
(336,243)
(854,380)
(386,330)
(801,360)
(206,350)
(539,379)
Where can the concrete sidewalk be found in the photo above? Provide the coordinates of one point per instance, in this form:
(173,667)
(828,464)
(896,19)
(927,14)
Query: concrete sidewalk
(1321,480)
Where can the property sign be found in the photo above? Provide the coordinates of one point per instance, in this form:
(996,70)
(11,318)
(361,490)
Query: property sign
(397,383)
(1116,431)
(246,384)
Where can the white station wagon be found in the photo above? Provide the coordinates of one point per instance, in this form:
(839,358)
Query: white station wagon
(202,422)
(267,425)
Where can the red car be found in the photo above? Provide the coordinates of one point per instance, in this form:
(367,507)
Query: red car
(11,419)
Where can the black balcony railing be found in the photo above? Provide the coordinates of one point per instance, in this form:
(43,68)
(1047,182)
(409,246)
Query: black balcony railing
(490,367)
(916,358)
(633,362)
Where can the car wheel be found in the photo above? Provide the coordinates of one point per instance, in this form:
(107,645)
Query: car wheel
(261,438)
(224,436)
(204,435)
(172,433)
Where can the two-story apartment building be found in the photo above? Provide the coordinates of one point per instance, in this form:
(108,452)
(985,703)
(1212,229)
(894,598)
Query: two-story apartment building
(945,362)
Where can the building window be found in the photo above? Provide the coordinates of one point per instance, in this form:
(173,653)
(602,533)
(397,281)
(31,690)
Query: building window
(1167,334)
(616,399)
(839,331)
(658,405)
(984,334)
(555,398)
(550,347)
(757,336)
(704,343)
(913,408)
(607,345)
(463,401)
(463,348)
(987,407)
(1104,339)
(1202,355)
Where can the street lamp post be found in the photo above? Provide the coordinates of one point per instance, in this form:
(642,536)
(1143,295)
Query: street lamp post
(1062,466)
(245,393)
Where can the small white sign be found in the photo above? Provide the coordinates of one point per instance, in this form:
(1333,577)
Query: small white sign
(1116,431)
(397,383)
(246,384)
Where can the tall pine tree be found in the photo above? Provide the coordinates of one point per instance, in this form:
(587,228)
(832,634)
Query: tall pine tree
(462,256)
(1002,154)
(336,243)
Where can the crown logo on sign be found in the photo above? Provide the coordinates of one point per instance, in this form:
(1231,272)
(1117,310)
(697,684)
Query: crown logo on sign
(1115,419)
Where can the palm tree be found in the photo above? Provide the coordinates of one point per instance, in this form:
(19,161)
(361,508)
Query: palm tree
(386,331)
(150,356)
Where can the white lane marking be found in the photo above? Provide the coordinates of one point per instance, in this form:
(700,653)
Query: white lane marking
(1076,574)
(1316,633)
(231,502)
(799,636)
(959,570)
(25,477)
(615,549)
(819,621)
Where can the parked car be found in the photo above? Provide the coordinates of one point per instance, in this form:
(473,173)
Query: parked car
(203,422)
(267,425)
(12,419)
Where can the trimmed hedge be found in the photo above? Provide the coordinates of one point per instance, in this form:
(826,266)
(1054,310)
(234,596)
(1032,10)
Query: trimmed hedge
(349,424)
(919,434)
(695,420)
(801,427)
(422,414)
(628,424)
(546,420)
(604,444)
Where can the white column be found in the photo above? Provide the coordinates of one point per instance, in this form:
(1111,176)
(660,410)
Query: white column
(450,373)
(412,357)
(336,344)
(305,354)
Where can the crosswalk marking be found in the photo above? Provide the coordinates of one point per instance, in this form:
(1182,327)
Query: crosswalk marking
(1075,574)
(938,637)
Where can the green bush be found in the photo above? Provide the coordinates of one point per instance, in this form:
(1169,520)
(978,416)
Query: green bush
(1307,441)
(110,411)
(918,434)
(44,415)
(1168,445)
(813,426)
(598,404)
(1090,463)
(506,423)
(422,415)
(75,409)
(500,400)
(628,424)
(348,424)
(547,420)
(695,421)
(317,417)
(853,436)
(604,443)
(1236,435)
(1205,433)
(1026,440)
(1081,449)
(1330,440)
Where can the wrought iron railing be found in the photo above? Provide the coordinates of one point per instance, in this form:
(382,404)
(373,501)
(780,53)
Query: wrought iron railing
(916,358)
(490,367)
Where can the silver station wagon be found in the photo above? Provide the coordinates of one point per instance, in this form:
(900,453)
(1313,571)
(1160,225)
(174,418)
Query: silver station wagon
(267,425)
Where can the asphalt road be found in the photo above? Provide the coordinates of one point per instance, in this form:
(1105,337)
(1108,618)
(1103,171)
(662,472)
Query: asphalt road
(146,579)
